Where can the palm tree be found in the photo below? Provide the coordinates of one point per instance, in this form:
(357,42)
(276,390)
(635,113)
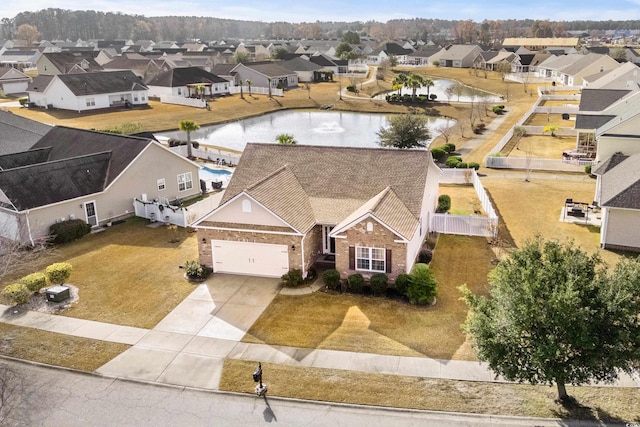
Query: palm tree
(415,82)
(189,126)
(399,81)
(249,83)
(286,139)
(427,82)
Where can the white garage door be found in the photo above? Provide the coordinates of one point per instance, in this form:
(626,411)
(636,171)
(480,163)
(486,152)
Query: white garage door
(256,259)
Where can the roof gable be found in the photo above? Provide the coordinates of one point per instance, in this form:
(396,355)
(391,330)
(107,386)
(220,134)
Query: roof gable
(183,76)
(620,184)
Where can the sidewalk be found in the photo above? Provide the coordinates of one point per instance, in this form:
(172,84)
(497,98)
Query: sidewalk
(189,346)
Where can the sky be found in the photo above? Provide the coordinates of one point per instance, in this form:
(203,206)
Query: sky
(350,10)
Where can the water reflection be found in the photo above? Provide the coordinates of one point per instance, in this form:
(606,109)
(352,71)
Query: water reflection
(326,128)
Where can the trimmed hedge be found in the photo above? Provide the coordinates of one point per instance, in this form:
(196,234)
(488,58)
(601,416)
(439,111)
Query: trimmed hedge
(331,278)
(18,293)
(444,203)
(34,281)
(58,273)
(422,285)
(356,283)
(292,278)
(438,153)
(453,161)
(449,147)
(68,231)
(425,256)
(474,165)
(378,283)
(402,283)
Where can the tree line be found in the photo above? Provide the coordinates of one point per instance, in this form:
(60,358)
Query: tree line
(63,24)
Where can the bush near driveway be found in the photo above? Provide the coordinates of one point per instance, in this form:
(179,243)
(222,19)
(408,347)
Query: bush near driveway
(34,281)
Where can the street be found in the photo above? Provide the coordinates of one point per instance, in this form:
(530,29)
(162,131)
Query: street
(43,396)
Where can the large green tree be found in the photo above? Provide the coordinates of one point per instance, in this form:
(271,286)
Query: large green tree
(556,315)
(189,126)
(405,131)
(414,82)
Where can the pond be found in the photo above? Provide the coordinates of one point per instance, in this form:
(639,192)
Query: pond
(328,128)
(467,94)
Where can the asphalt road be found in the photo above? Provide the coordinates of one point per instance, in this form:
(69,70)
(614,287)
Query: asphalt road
(44,396)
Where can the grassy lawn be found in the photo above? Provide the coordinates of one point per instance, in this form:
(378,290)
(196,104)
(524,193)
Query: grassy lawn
(542,146)
(127,274)
(378,325)
(56,349)
(546,119)
(464,200)
(608,404)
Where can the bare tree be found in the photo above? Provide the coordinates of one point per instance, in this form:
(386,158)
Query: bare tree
(16,256)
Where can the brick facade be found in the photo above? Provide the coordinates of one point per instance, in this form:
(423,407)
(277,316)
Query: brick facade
(380,237)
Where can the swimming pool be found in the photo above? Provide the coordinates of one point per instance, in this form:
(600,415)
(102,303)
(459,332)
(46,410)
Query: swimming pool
(209,174)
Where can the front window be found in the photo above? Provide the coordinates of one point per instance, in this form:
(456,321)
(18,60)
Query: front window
(370,259)
(185,182)
(91,102)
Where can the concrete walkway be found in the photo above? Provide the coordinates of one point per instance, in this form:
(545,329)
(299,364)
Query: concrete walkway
(189,346)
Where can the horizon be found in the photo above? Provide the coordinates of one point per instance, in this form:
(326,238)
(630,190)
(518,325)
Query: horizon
(353,11)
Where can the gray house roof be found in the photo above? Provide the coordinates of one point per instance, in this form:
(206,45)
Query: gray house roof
(300,64)
(600,99)
(18,133)
(177,77)
(592,121)
(620,184)
(102,82)
(66,61)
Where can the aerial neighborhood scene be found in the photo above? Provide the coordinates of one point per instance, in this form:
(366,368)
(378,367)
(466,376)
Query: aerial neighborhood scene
(320,214)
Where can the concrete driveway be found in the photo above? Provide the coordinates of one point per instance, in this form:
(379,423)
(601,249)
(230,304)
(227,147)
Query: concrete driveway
(189,345)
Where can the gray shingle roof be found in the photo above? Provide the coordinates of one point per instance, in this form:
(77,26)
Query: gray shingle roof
(591,121)
(620,186)
(102,82)
(177,77)
(65,61)
(599,99)
(18,133)
(300,183)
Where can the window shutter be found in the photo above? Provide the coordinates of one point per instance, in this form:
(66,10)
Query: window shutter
(352,257)
(388,261)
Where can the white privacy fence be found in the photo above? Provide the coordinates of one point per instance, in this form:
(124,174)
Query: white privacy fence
(163,211)
(256,90)
(467,225)
(180,100)
(572,165)
(215,155)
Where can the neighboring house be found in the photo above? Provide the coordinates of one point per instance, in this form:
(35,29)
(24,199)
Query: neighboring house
(388,50)
(88,91)
(19,59)
(288,206)
(143,67)
(336,66)
(587,65)
(13,81)
(18,133)
(540,43)
(618,195)
(94,176)
(304,68)
(52,64)
(626,76)
(186,81)
(263,74)
(458,56)
(490,60)
(422,56)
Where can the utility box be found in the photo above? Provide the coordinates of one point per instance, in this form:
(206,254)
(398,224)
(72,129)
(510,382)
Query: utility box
(58,293)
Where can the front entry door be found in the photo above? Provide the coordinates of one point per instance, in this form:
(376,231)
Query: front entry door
(328,243)
(90,211)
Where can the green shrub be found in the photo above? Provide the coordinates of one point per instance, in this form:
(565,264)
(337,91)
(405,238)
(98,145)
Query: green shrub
(195,270)
(422,285)
(356,283)
(461,165)
(425,255)
(444,203)
(478,128)
(449,147)
(331,278)
(378,283)
(67,231)
(587,169)
(438,153)
(452,161)
(58,273)
(474,165)
(433,96)
(498,109)
(18,293)
(23,102)
(292,278)
(352,88)
(34,281)
(402,283)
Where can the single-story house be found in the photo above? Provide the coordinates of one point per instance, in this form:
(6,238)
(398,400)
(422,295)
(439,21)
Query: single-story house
(66,62)
(13,80)
(263,74)
(458,56)
(88,91)
(186,81)
(95,176)
(286,207)
(304,68)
